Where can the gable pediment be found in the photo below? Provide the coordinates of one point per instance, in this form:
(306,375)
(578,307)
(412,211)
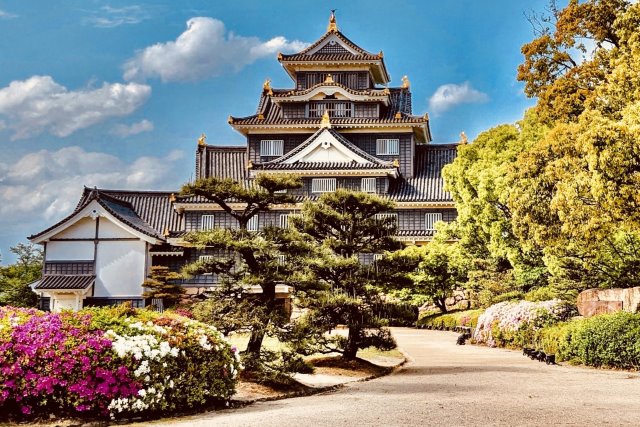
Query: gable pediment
(326,148)
(332,44)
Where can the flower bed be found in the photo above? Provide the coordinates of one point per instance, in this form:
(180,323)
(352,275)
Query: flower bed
(514,324)
(110,362)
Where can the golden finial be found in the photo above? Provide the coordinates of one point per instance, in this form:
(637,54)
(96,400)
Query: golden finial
(172,198)
(380,54)
(202,140)
(426,116)
(386,91)
(332,28)
(230,120)
(250,165)
(398,115)
(396,163)
(328,79)
(279,56)
(266,87)
(260,116)
(405,82)
(166,232)
(325,122)
(463,138)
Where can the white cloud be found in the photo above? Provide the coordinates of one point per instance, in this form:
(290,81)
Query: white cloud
(109,17)
(205,49)
(133,129)
(449,95)
(44,186)
(39,104)
(7,15)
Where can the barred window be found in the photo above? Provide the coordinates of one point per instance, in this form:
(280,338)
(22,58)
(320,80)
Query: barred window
(271,147)
(206,258)
(206,222)
(383,216)
(377,257)
(323,185)
(252,225)
(430,219)
(282,259)
(284,219)
(368,185)
(387,147)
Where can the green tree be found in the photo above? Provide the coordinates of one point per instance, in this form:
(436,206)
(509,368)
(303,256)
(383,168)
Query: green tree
(344,225)
(248,259)
(442,270)
(16,278)
(158,285)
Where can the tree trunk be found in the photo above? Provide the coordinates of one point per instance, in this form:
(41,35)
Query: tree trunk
(258,333)
(351,348)
(255,342)
(441,303)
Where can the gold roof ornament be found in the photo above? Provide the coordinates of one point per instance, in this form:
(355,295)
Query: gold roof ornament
(279,55)
(381,54)
(426,116)
(463,138)
(396,163)
(405,82)
(249,164)
(202,140)
(332,27)
(230,120)
(398,115)
(172,198)
(329,79)
(260,116)
(266,87)
(166,232)
(386,91)
(325,122)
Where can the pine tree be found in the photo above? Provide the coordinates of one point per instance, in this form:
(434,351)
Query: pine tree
(158,286)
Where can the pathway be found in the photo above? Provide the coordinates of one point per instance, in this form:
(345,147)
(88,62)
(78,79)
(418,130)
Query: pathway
(445,384)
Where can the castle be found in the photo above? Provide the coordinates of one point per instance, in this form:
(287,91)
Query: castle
(339,126)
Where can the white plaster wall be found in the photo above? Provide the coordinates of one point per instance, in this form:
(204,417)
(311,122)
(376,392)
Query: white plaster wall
(69,251)
(83,229)
(120,268)
(111,230)
(64,302)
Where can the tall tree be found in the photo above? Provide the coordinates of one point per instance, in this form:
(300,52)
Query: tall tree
(158,285)
(16,278)
(248,259)
(344,225)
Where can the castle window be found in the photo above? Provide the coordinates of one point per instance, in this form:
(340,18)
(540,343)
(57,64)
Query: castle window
(252,225)
(387,147)
(206,222)
(368,185)
(284,219)
(430,219)
(383,216)
(323,185)
(271,147)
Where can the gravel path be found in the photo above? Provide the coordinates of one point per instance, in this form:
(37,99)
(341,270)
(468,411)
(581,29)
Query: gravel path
(445,384)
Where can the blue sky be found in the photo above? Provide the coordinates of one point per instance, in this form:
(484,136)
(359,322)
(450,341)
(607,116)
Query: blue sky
(115,94)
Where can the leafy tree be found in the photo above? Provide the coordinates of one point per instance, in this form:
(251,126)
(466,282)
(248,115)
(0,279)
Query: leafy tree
(571,56)
(442,270)
(248,259)
(480,182)
(158,286)
(16,278)
(344,224)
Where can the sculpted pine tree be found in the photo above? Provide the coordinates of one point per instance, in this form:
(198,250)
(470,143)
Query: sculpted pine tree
(344,224)
(158,285)
(248,259)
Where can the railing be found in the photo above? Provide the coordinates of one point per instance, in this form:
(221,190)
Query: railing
(334,108)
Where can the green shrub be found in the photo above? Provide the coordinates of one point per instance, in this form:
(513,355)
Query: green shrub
(395,313)
(450,320)
(611,340)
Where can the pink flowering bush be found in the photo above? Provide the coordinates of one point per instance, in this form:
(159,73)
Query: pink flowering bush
(514,324)
(110,362)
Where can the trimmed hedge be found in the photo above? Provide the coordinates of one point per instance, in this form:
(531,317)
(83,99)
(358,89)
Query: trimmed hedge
(450,320)
(115,362)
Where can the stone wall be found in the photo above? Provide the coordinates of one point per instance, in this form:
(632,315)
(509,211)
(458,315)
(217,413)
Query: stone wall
(599,301)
